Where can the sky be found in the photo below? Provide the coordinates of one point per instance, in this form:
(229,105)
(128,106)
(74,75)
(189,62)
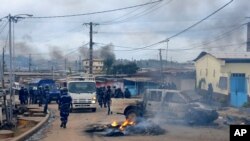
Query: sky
(127,29)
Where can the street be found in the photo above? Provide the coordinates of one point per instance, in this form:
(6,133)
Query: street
(79,120)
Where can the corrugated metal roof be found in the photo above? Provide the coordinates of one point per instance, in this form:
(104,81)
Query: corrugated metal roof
(138,79)
(234,55)
(226,55)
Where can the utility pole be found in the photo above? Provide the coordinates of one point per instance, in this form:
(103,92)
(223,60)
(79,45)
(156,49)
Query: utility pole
(11,101)
(80,64)
(3,86)
(161,71)
(3,63)
(10,108)
(53,77)
(29,62)
(167,54)
(65,64)
(91,46)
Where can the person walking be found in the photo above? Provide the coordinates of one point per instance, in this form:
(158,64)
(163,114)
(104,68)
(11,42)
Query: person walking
(108,99)
(65,102)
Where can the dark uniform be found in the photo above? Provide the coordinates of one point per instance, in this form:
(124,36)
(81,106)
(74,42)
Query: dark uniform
(100,95)
(119,93)
(127,93)
(65,102)
(26,96)
(46,98)
(32,97)
(22,96)
(40,95)
(107,98)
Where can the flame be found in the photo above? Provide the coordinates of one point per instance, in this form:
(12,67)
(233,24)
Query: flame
(125,124)
(114,124)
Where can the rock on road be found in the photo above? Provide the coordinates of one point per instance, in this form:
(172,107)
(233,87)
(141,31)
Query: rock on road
(78,121)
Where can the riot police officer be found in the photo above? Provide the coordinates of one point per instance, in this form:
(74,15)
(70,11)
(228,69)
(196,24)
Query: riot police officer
(40,95)
(107,98)
(46,98)
(22,96)
(65,102)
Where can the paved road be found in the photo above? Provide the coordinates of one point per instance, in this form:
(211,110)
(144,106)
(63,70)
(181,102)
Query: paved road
(78,122)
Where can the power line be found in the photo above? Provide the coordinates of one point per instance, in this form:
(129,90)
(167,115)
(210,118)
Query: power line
(128,18)
(197,23)
(143,13)
(98,12)
(2,29)
(177,34)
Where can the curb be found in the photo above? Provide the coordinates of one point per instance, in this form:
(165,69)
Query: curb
(34,129)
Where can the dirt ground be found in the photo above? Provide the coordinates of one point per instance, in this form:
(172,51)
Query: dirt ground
(78,122)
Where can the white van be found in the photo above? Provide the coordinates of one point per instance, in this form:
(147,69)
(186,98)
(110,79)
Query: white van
(83,92)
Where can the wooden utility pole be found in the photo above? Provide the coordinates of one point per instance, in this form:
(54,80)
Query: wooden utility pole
(161,67)
(3,65)
(91,46)
(29,62)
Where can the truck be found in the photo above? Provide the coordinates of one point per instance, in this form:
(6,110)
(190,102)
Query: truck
(82,89)
(172,105)
(54,92)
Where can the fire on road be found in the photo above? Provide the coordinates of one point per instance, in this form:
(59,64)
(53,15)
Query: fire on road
(78,123)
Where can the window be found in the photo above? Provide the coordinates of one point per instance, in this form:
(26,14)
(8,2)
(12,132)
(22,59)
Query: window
(206,72)
(173,97)
(223,83)
(200,72)
(81,87)
(155,96)
(214,73)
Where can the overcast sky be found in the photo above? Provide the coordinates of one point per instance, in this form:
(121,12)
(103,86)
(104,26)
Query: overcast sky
(133,28)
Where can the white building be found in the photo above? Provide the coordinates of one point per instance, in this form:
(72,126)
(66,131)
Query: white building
(97,66)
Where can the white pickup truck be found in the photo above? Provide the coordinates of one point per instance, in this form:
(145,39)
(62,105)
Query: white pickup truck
(170,104)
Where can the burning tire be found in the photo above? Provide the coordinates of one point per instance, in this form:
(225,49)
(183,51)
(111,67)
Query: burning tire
(132,115)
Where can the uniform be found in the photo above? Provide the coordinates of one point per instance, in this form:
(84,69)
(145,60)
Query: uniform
(46,98)
(107,98)
(22,96)
(65,102)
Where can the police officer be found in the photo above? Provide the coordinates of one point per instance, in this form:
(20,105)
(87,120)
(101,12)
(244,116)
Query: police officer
(31,93)
(26,96)
(100,95)
(107,98)
(127,93)
(46,98)
(65,102)
(22,96)
(40,95)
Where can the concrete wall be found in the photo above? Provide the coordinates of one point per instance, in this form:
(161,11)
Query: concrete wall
(211,69)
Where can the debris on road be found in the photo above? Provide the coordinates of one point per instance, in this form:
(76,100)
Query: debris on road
(144,127)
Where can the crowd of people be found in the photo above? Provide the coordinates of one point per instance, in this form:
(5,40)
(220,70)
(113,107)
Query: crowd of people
(41,96)
(104,95)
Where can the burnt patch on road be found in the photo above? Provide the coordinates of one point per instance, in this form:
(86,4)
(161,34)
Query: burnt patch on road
(126,128)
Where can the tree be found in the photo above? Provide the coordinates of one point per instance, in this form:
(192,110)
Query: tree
(129,68)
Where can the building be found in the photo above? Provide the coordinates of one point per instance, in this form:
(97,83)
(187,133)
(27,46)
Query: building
(97,66)
(228,73)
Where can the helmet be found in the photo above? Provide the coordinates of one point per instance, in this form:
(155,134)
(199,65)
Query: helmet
(64,91)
